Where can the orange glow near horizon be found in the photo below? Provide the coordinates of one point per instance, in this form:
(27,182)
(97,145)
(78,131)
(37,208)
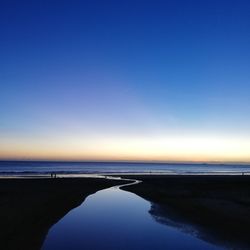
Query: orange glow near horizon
(168,148)
(132,81)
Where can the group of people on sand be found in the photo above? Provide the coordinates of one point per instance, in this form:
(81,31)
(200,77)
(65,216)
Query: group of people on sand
(53,175)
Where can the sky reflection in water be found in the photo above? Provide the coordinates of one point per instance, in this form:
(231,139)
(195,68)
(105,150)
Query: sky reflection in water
(116,219)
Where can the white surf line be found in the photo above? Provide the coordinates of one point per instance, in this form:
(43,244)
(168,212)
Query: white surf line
(129,184)
(134,181)
(113,175)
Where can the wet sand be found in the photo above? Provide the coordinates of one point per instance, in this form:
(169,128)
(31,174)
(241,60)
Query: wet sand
(215,208)
(29,207)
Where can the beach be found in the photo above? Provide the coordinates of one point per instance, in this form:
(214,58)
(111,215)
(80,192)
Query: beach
(30,207)
(214,208)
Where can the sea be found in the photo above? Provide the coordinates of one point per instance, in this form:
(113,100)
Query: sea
(66,167)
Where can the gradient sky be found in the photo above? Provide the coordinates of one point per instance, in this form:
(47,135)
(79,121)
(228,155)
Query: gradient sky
(125,80)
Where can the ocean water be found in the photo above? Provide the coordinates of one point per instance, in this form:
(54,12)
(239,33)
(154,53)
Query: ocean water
(45,167)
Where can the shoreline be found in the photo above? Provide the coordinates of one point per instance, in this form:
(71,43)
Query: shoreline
(116,174)
(31,206)
(214,208)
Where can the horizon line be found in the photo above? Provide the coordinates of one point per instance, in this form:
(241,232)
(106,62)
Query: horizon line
(125,161)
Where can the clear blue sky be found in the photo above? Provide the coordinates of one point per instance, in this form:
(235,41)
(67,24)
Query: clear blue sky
(100,79)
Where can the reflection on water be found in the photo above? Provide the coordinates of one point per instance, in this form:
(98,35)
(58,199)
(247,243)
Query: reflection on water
(117,219)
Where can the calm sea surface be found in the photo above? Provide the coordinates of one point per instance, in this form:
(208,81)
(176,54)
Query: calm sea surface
(33,167)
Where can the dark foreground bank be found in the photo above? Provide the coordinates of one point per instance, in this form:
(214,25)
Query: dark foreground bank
(29,207)
(217,208)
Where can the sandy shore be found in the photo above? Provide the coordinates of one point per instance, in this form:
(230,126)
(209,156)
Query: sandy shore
(215,208)
(30,206)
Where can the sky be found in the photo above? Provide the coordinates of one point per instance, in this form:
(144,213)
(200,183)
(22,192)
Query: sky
(125,80)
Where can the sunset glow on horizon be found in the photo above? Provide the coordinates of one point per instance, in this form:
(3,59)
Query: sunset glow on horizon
(125,81)
(174,149)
